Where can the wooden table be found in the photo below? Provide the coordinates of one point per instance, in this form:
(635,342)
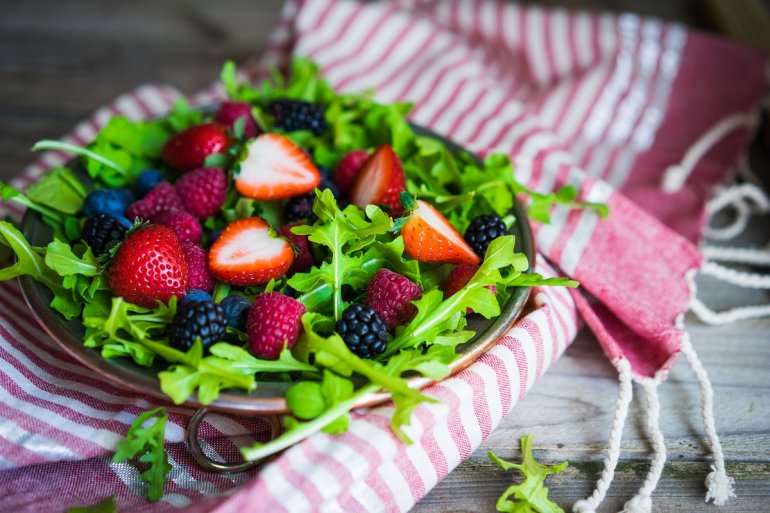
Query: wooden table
(60,60)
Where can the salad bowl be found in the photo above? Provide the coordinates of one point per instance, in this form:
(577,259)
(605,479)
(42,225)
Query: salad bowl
(268,397)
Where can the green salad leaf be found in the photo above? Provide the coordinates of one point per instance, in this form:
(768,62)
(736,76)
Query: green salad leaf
(145,441)
(344,233)
(106,505)
(531,495)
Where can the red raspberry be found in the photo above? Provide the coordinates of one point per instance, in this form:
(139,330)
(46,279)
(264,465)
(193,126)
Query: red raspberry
(230,112)
(274,320)
(186,227)
(347,169)
(203,191)
(303,260)
(198,267)
(458,277)
(162,198)
(390,295)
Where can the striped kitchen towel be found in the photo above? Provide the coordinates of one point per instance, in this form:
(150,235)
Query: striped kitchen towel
(643,115)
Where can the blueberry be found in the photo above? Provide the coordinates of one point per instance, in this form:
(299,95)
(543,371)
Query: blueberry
(236,311)
(147,180)
(195,296)
(112,202)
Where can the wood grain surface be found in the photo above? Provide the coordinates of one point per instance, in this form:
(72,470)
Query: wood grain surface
(61,60)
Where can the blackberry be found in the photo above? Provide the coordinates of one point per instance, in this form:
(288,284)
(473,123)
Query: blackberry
(100,230)
(300,208)
(291,115)
(482,231)
(363,331)
(197,319)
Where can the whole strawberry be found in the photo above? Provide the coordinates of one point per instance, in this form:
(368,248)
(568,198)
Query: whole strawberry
(347,169)
(198,267)
(230,112)
(390,295)
(184,225)
(303,260)
(203,191)
(273,321)
(163,198)
(149,266)
(189,148)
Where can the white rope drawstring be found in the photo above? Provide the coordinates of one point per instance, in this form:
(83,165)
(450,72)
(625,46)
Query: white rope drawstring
(589,504)
(718,483)
(742,279)
(736,255)
(642,501)
(709,316)
(740,313)
(676,175)
(739,192)
(746,199)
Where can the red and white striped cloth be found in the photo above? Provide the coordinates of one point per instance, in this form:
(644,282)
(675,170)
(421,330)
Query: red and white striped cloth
(604,102)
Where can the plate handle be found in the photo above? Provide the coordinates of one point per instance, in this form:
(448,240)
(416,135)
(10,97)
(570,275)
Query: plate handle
(218,466)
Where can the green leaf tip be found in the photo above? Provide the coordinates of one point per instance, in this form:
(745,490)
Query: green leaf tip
(531,495)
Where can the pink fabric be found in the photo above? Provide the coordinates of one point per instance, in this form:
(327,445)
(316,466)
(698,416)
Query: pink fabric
(602,102)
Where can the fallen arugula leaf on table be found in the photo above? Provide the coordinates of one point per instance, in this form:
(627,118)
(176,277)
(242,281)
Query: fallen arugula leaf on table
(146,442)
(107,505)
(531,495)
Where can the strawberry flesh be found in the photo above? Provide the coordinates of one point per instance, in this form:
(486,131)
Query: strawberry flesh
(275,168)
(429,237)
(248,253)
(380,182)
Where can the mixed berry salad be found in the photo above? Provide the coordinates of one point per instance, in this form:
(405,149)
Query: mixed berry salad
(291,233)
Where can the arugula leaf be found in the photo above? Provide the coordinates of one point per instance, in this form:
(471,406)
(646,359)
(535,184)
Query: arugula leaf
(60,190)
(71,279)
(531,495)
(541,203)
(438,316)
(8,193)
(330,351)
(146,442)
(141,138)
(106,505)
(344,233)
(60,258)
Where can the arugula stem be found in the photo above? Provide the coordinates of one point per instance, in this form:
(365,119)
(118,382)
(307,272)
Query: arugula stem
(412,338)
(323,289)
(48,144)
(299,433)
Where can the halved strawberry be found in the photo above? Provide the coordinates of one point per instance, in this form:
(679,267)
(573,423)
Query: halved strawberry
(274,168)
(380,182)
(429,237)
(249,253)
